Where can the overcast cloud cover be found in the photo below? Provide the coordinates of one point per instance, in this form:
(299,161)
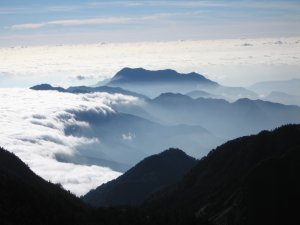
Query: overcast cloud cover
(32,126)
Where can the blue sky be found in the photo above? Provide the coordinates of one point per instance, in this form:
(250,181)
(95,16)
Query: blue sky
(33,22)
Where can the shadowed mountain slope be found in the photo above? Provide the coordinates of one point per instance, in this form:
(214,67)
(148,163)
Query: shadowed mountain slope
(25,198)
(138,183)
(249,180)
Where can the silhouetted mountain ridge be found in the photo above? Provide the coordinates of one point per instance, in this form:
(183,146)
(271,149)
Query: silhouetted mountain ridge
(151,174)
(25,198)
(249,180)
(86,89)
(154,82)
(140,75)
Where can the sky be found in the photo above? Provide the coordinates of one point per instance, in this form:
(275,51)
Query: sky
(64,42)
(33,22)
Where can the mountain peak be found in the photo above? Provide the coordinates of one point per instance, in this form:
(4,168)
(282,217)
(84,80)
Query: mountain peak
(173,152)
(47,87)
(137,184)
(140,75)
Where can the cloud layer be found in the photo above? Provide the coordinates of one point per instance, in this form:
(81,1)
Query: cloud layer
(32,126)
(232,61)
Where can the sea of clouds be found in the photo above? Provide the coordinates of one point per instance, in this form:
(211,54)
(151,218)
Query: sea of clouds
(231,62)
(32,126)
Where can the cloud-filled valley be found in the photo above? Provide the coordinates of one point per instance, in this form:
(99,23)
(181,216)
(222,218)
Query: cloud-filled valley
(82,136)
(83,140)
(32,126)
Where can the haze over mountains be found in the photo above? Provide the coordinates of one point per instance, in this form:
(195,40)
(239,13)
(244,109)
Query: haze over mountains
(187,111)
(285,91)
(149,112)
(153,83)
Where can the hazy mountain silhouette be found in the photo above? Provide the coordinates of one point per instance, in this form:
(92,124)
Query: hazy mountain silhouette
(140,76)
(201,94)
(249,180)
(222,118)
(126,139)
(153,83)
(86,89)
(287,86)
(47,87)
(138,183)
(283,98)
(107,89)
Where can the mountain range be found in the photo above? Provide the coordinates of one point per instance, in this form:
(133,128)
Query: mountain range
(86,89)
(249,180)
(222,118)
(153,83)
(283,98)
(290,87)
(196,121)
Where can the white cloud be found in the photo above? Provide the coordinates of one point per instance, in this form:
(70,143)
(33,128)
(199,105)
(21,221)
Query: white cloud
(28,26)
(75,22)
(32,126)
(99,21)
(222,60)
(128,137)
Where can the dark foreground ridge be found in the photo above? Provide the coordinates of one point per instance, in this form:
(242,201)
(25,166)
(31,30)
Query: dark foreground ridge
(137,184)
(249,180)
(26,198)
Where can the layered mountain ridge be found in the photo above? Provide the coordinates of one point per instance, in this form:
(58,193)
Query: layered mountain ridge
(249,180)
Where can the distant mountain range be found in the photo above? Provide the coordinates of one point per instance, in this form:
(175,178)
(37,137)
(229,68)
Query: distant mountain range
(148,176)
(140,76)
(85,89)
(290,87)
(283,98)
(196,121)
(202,94)
(222,118)
(249,180)
(153,83)
(126,139)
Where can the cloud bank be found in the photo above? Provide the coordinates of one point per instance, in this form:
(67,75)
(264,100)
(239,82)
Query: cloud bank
(231,62)
(32,126)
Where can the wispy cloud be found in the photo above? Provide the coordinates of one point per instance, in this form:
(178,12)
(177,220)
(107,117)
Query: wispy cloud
(27,26)
(75,22)
(95,21)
